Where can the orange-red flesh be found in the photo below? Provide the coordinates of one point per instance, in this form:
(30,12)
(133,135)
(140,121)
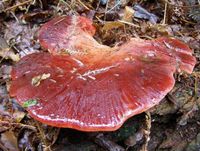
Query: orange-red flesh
(99,89)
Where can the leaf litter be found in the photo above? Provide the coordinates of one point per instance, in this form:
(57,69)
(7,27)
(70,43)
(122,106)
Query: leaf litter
(174,122)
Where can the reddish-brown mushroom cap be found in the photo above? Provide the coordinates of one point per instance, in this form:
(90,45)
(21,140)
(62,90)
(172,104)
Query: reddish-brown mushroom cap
(99,89)
(66,33)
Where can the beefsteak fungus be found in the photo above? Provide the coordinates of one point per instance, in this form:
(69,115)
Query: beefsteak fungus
(87,86)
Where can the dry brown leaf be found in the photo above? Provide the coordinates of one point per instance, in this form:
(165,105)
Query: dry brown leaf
(9,141)
(111,25)
(6,52)
(37,79)
(128,14)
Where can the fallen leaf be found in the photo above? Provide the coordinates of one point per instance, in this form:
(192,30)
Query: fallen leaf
(37,79)
(128,14)
(21,37)
(142,13)
(112,25)
(9,140)
(6,52)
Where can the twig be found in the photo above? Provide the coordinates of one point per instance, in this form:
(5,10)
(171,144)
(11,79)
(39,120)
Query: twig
(2,147)
(128,23)
(165,14)
(195,104)
(172,99)
(196,87)
(107,11)
(83,5)
(42,136)
(55,137)
(72,3)
(147,131)
(15,16)
(4,48)
(98,5)
(20,4)
(18,125)
(147,37)
(107,144)
(101,21)
(198,5)
(69,6)
(189,114)
(189,22)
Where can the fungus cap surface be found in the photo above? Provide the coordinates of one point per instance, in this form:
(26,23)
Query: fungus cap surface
(99,89)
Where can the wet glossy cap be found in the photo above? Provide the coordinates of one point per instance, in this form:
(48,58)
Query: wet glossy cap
(101,88)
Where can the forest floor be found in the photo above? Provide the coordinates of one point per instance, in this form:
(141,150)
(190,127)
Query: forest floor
(173,125)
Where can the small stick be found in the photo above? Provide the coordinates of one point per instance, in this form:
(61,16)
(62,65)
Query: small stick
(42,136)
(18,125)
(128,23)
(196,87)
(2,147)
(107,144)
(147,131)
(83,5)
(165,13)
(107,11)
(197,5)
(12,7)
